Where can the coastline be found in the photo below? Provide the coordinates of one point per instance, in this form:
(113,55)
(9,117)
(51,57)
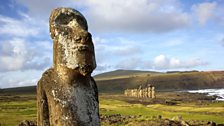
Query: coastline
(219,93)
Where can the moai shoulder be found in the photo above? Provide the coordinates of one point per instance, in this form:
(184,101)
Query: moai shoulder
(67,94)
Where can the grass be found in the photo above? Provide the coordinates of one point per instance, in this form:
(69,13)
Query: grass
(208,113)
(12,112)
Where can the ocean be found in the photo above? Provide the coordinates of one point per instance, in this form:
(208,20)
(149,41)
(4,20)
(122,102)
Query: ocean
(211,92)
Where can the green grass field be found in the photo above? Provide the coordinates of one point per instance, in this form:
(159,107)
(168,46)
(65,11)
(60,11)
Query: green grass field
(15,109)
(205,113)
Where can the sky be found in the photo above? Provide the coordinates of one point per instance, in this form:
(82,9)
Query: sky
(155,35)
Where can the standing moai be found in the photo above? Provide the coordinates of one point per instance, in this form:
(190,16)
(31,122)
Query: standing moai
(126,92)
(153,92)
(67,95)
(150,91)
(139,90)
(147,92)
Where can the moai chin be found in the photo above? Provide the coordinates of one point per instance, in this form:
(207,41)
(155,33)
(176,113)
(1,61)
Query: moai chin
(67,94)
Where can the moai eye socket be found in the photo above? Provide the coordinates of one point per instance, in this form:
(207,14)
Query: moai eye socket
(64,19)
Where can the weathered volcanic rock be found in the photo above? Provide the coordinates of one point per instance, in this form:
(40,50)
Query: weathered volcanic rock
(67,94)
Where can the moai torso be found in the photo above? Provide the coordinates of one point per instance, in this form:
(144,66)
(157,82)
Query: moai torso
(67,94)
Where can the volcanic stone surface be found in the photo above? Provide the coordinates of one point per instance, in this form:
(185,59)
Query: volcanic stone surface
(67,95)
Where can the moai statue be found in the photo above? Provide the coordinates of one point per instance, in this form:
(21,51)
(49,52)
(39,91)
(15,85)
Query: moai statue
(136,92)
(145,92)
(126,92)
(150,91)
(131,92)
(139,91)
(153,92)
(147,89)
(67,94)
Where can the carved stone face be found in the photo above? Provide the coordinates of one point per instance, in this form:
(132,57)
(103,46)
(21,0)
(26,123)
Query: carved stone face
(73,46)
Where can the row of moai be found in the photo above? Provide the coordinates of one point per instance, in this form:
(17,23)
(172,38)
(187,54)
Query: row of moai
(147,92)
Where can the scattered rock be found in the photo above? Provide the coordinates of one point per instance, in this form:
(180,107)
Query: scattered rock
(28,123)
(210,123)
(177,118)
(159,117)
(184,123)
(170,103)
(115,119)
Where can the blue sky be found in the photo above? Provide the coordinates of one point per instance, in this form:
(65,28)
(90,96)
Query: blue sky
(158,35)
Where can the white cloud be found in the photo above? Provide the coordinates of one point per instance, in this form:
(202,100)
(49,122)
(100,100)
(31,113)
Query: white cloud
(174,42)
(160,62)
(130,63)
(116,46)
(110,50)
(41,9)
(122,15)
(20,54)
(164,62)
(132,15)
(17,54)
(205,11)
(19,78)
(24,27)
(126,50)
(120,53)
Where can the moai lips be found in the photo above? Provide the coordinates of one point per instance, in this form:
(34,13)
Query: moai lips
(72,42)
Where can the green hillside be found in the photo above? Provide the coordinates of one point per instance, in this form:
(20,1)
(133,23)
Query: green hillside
(19,90)
(123,74)
(119,80)
(165,82)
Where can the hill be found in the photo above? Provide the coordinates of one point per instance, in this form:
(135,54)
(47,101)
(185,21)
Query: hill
(19,90)
(171,81)
(119,80)
(122,74)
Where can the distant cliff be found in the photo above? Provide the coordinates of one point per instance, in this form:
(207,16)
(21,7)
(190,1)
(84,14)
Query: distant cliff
(119,80)
(164,81)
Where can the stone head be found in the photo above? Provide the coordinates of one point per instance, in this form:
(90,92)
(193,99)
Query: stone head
(73,46)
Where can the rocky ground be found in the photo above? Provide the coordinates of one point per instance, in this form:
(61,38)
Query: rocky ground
(119,120)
